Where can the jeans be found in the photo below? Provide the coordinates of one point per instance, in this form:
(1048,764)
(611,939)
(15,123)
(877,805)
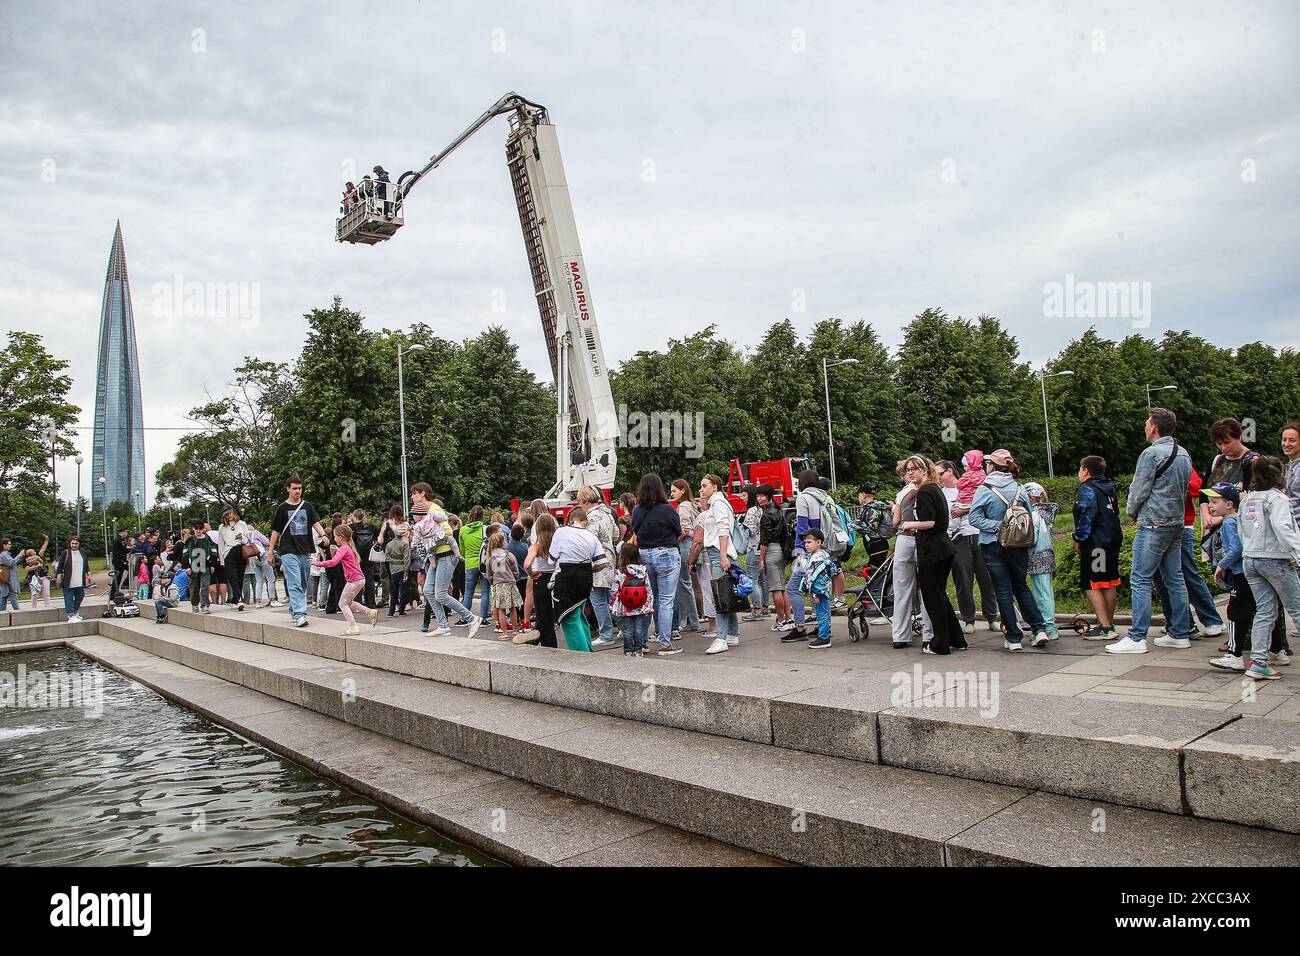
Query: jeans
(634,627)
(1159,549)
(265,573)
(728,624)
(794,591)
(604,619)
(1008,568)
(9,592)
(436,590)
(663,567)
(822,607)
(1198,594)
(685,612)
(760,582)
(296,568)
(473,577)
(72,598)
(1276,587)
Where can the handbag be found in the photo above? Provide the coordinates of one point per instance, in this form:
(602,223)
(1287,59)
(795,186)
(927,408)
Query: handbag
(377,555)
(725,598)
(249,550)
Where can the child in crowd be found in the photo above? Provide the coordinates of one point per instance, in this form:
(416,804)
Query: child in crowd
(398,554)
(1270,547)
(156,576)
(175,589)
(817,569)
(632,602)
(1226,554)
(142,580)
(38,575)
(353,579)
(1042,557)
(971,478)
(1097,539)
(503,573)
(518,547)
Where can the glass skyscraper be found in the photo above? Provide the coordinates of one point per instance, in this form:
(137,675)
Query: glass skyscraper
(118,453)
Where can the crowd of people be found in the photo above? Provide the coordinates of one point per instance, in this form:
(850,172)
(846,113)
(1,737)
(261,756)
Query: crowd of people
(674,559)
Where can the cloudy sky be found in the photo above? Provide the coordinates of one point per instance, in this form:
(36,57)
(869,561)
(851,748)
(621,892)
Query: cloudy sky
(730,163)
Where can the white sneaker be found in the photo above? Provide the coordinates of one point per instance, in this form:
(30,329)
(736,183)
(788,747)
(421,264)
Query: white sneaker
(300,622)
(602,642)
(718,646)
(1182,643)
(1228,663)
(1126,645)
(1011,645)
(276,604)
(352,630)
(74,618)
(1280,659)
(966,628)
(1040,639)
(1214,630)
(732,640)
(441,632)
(475,622)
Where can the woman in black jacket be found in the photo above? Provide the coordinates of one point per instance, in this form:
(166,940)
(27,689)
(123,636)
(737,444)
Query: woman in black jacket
(73,576)
(934,554)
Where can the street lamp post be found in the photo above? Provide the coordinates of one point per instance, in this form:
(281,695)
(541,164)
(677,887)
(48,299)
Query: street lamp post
(135,503)
(79,460)
(1047,430)
(401,416)
(104,509)
(826,385)
(1157,388)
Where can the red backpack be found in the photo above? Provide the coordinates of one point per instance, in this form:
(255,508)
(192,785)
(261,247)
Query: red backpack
(633,593)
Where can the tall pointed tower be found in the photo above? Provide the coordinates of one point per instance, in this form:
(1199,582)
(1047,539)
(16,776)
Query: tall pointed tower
(118,453)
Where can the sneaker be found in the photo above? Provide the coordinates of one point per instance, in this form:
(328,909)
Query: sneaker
(881,619)
(475,622)
(352,630)
(717,647)
(74,618)
(466,622)
(753,616)
(1228,663)
(670,650)
(440,632)
(1181,643)
(902,645)
(276,604)
(780,626)
(838,603)
(1223,648)
(820,642)
(793,637)
(1126,645)
(708,635)
(374,617)
(1008,645)
(598,642)
(732,640)
(1212,630)
(241,606)
(525,636)
(1258,671)
(676,635)
(301,622)
(925,649)
(968,627)
(1281,659)
(995,624)
(1040,639)
(1096,633)
(424,628)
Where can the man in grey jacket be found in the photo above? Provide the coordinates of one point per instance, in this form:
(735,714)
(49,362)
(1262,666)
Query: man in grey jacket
(1155,502)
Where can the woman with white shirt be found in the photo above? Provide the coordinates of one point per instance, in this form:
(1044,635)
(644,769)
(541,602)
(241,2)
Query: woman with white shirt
(231,538)
(718,518)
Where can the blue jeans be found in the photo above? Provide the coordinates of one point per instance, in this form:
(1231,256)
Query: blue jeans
(437,590)
(1159,549)
(728,624)
(72,598)
(604,619)
(685,613)
(266,575)
(794,591)
(822,606)
(1274,583)
(9,592)
(1008,567)
(635,628)
(760,581)
(296,569)
(663,567)
(1198,594)
(474,577)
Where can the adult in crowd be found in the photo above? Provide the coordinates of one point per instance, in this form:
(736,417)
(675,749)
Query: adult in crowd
(10,583)
(470,538)
(365,541)
(1008,563)
(718,518)
(334,572)
(771,555)
(1198,593)
(934,555)
(74,576)
(912,471)
(121,552)
(875,525)
(232,537)
(291,537)
(753,555)
(968,568)
(578,556)
(1156,499)
(658,531)
(1291,483)
(431,540)
(602,523)
(686,611)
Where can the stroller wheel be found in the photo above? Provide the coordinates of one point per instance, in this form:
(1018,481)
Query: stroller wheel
(1080,624)
(855,629)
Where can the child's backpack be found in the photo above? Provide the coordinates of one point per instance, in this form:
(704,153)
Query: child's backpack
(633,593)
(1017,529)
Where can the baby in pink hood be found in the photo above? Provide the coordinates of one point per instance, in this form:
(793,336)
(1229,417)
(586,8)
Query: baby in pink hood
(971,479)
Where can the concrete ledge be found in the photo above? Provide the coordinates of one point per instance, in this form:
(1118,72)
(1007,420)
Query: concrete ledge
(1047,829)
(26,633)
(1122,753)
(837,719)
(403,654)
(1247,772)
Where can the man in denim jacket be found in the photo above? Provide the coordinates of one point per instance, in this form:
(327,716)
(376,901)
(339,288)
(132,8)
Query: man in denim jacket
(1155,501)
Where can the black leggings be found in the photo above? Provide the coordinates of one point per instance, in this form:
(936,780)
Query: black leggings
(234,568)
(544,607)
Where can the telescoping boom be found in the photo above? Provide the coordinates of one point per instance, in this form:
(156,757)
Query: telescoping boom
(586,429)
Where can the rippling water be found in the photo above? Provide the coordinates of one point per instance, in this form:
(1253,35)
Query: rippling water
(150,782)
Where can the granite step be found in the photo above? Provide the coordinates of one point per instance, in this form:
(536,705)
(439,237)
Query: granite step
(796,806)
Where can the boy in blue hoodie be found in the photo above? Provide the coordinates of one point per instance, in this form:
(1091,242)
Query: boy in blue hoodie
(1097,539)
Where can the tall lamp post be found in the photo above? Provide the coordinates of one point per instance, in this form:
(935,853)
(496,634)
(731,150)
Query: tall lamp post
(79,460)
(104,510)
(1047,430)
(135,503)
(401,416)
(1157,388)
(826,386)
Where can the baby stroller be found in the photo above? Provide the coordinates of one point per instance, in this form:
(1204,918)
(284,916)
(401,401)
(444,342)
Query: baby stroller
(874,602)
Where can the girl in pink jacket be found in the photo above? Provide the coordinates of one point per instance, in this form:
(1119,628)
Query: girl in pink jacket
(354,579)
